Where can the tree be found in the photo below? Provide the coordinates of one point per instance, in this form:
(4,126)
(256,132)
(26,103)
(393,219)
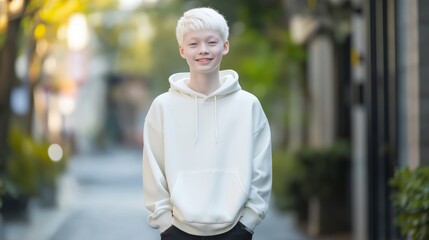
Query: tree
(33,26)
(8,52)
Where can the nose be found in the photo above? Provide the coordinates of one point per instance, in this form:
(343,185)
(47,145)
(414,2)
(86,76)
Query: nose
(203,49)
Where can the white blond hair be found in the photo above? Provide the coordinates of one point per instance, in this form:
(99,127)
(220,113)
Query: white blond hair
(199,19)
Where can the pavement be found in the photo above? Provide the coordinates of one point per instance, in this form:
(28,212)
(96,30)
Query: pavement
(100,197)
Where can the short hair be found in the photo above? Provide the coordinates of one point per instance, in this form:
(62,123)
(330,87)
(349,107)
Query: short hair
(203,18)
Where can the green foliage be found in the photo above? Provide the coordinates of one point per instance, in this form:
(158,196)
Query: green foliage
(411,201)
(28,166)
(286,175)
(267,66)
(56,11)
(52,14)
(307,172)
(134,49)
(259,67)
(325,170)
(165,54)
(263,65)
(21,168)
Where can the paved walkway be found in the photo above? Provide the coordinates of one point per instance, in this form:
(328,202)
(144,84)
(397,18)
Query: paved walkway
(101,198)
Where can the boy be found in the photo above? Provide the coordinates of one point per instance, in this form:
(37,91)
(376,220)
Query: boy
(207,143)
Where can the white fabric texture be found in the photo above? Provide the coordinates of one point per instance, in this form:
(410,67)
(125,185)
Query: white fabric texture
(206,159)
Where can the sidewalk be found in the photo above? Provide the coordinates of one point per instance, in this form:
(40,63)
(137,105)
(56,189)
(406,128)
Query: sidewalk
(100,198)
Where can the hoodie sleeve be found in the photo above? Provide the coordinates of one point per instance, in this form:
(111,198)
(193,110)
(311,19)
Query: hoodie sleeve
(260,189)
(156,194)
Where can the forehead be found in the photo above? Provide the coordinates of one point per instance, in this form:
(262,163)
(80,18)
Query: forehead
(201,34)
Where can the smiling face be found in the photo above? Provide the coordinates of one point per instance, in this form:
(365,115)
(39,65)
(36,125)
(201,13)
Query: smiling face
(203,51)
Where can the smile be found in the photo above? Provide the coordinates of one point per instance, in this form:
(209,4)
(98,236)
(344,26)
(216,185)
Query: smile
(204,60)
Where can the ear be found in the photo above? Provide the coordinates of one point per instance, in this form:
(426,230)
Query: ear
(225,47)
(182,52)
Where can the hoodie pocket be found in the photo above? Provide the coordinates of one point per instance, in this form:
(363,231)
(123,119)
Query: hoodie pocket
(208,197)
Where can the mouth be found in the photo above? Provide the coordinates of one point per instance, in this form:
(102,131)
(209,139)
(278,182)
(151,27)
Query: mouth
(204,60)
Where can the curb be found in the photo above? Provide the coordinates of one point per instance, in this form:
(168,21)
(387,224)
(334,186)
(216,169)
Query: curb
(44,222)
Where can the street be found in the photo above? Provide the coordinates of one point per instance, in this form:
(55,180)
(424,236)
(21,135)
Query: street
(100,198)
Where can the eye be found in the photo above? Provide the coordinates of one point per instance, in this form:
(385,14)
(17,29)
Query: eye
(212,42)
(193,44)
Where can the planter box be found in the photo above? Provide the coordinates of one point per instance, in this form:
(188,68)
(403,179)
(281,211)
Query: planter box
(15,207)
(328,216)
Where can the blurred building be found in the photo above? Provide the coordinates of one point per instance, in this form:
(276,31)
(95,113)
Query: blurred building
(128,99)
(389,107)
(369,87)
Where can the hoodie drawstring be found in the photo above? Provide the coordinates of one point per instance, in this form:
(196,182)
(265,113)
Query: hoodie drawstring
(215,118)
(215,123)
(196,119)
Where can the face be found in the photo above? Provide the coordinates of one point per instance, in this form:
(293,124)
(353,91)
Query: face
(203,50)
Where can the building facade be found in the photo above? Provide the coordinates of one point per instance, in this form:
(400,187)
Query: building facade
(377,76)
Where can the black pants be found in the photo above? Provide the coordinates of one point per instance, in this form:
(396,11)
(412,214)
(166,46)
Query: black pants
(239,232)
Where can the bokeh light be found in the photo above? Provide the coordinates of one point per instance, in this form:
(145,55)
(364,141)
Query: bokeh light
(77,32)
(55,152)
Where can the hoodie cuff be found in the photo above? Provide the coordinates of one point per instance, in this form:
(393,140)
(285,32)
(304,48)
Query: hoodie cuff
(164,221)
(250,219)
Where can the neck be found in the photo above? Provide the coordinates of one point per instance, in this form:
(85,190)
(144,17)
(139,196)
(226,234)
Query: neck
(204,83)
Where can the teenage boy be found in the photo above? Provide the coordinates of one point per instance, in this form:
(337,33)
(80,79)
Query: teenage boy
(207,143)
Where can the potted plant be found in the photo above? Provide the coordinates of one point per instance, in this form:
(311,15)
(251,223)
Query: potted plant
(29,172)
(287,176)
(20,177)
(324,185)
(410,197)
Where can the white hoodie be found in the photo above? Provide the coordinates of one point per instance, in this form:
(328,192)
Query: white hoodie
(206,159)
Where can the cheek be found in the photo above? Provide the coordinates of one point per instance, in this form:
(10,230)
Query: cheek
(186,54)
(190,52)
(218,50)
(189,60)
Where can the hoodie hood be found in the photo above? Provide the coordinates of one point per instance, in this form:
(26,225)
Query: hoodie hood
(229,84)
(228,78)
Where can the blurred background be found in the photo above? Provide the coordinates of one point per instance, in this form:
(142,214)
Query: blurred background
(341,81)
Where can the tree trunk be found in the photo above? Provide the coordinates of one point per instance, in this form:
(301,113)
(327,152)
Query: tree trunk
(8,54)
(7,81)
